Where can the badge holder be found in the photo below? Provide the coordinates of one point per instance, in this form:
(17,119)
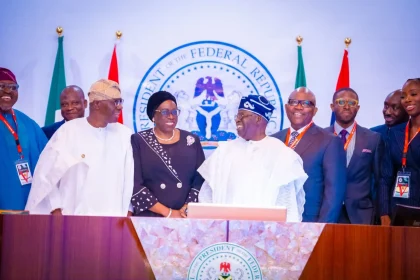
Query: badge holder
(23,172)
(402,185)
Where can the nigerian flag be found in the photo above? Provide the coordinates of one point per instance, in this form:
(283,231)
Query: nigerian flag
(58,83)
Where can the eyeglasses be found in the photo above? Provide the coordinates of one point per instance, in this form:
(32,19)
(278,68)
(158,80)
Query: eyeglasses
(166,112)
(342,102)
(118,101)
(241,116)
(8,87)
(303,103)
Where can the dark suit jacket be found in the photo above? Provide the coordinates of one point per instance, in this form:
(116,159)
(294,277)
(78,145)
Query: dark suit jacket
(51,129)
(324,160)
(383,130)
(391,164)
(363,175)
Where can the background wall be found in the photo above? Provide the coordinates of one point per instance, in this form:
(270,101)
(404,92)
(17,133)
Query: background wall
(384,52)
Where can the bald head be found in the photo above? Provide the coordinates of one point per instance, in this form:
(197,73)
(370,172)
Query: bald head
(303,93)
(73,103)
(73,90)
(394,94)
(301,107)
(393,111)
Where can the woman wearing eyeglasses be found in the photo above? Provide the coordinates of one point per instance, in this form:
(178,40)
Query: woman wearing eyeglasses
(166,160)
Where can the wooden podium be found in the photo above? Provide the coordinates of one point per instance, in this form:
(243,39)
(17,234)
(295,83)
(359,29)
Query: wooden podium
(57,247)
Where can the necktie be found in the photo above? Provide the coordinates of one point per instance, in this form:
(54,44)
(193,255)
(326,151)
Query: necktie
(293,137)
(343,135)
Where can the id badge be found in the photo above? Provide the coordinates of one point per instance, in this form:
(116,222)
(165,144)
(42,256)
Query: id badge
(23,172)
(402,185)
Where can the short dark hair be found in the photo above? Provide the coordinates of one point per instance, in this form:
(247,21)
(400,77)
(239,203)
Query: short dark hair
(416,80)
(345,89)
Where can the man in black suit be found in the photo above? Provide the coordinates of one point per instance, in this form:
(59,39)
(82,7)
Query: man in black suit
(73,105)
(324,159)
(364,149)
(394,114)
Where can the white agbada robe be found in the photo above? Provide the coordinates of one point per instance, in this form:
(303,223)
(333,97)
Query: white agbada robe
(84,170)
(255,173)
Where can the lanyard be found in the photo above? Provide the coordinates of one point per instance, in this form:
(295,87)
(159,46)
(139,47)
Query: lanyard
(407,143)
(350,136)
(14,133)
(296,141)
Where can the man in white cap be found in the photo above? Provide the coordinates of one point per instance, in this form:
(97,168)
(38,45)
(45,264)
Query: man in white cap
(87,166)
(255,169)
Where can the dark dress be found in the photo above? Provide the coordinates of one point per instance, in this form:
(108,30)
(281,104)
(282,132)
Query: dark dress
(165,173)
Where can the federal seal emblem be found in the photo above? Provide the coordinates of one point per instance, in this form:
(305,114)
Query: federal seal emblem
(224,260)
(208,79)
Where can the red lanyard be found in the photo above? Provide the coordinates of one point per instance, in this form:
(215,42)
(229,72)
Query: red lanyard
(14,133)
(407,143)
(350,136)
(296,141)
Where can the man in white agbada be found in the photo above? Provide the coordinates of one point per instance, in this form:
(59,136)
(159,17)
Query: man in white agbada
(255,169)
(87,167)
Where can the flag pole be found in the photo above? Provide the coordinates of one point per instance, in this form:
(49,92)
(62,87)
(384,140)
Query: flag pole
(299,40)
(347,42)
(118,34)
(59,31)
(113,68)
(344,75)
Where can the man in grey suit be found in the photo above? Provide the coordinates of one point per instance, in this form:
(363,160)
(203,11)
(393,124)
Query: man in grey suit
(364,149)
(324,159)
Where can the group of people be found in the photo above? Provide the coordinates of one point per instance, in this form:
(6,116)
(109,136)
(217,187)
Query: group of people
(96,166)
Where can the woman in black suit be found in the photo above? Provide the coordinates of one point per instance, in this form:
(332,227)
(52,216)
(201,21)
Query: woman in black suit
(402,158)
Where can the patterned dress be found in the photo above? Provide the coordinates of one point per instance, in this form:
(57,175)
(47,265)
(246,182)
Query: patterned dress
(165,173)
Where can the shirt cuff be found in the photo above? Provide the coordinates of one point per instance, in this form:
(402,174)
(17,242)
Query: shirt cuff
(192,196)
(143,200)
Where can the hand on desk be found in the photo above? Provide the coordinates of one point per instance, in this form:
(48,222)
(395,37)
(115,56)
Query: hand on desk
(385,220)
(183,211)
(176,214)
(57,212)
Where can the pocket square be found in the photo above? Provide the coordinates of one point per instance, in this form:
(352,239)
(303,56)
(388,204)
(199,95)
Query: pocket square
(366,151)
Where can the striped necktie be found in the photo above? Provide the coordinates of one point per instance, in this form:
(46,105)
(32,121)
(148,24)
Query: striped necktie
(293,137)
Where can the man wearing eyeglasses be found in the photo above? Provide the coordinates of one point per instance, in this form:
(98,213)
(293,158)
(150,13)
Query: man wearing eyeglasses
(87,166)
(364,149)
(21,143)
(73,105)
(255,169)
(323,158)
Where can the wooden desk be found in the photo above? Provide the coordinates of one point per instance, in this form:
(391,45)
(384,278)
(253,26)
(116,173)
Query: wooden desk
(54,247)
(51,247)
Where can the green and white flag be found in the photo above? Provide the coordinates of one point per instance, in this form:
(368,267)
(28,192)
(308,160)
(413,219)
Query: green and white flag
(58,83)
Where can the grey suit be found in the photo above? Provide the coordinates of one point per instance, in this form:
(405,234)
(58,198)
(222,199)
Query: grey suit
(363,175)
(324,160)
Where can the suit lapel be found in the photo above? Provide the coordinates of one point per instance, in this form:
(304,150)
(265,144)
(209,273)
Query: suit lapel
(330,129)
(361,142)
(306,140)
